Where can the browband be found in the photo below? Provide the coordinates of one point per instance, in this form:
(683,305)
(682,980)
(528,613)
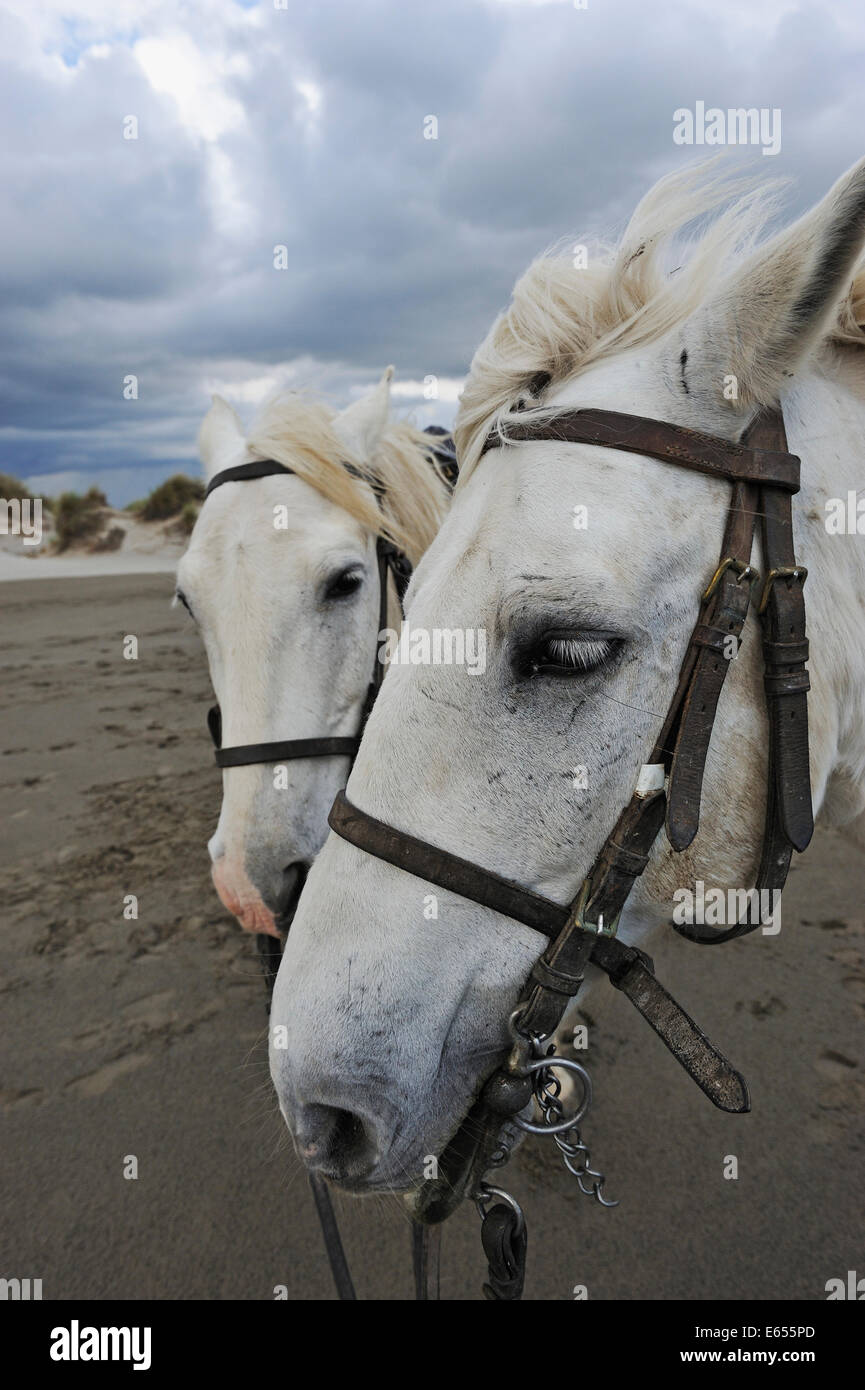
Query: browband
(639,434)
(259,468)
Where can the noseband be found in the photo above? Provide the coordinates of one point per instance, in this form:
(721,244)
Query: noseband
(764,477)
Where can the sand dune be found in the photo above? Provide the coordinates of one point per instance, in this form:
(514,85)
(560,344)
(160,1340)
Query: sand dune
(147,548)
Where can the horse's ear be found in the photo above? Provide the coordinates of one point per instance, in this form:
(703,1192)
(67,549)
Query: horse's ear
(778,305)
(361,425)
(220,437)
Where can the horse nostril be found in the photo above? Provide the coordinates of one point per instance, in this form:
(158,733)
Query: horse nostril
(293,879)
(335,1142)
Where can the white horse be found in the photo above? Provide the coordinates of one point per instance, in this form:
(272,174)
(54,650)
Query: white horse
(393,1016)
(281,577)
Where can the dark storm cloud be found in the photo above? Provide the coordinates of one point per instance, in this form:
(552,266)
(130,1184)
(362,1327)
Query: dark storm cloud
(304,128)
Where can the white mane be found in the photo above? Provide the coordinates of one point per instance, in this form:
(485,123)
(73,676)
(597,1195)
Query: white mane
(563,319)
(297,430)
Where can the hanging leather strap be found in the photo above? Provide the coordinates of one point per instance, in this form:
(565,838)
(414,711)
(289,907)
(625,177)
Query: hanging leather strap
(632,972)
(426,1255)
(504,1237)
(332,1240)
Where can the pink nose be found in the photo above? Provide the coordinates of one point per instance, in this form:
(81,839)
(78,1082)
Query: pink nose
(237,893)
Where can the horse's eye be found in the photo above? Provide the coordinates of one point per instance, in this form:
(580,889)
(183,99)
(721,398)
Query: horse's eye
(563,654)
(345,584)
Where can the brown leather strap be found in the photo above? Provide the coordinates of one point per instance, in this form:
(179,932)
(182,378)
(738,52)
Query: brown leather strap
(393,561)
(247,754)
(639,434)
(682,746)
(447,870)
(580,933)
(789,822)
(722,617)
(631,972)
(712,1072)
(597,904)
(245,472)
(785,651)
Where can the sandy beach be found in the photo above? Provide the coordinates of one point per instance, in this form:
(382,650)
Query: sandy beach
(146,548)
(145,1037)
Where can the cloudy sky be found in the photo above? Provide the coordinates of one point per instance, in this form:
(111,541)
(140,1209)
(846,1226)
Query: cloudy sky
(300,123)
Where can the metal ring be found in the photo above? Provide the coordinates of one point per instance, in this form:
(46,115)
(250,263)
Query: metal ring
(516,1035)
(485,1192)
(569,1123)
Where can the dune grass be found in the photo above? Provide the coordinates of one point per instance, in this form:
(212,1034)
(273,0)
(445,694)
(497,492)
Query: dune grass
(171,498)
(76,517)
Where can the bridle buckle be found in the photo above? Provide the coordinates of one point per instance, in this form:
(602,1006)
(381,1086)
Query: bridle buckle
(781,572)
(599,928)
(743,571)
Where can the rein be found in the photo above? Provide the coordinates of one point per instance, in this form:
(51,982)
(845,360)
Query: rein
(764,476)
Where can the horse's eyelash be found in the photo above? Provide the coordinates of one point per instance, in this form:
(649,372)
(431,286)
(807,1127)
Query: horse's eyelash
(582,656)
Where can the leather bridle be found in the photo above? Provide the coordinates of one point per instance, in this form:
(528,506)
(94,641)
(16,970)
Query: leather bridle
(764,476)
(389,559)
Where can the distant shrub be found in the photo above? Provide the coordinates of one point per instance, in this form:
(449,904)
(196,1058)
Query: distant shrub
(112,540)
(78,517)
(171,497)
(11,487)
(137,506)
(187,519)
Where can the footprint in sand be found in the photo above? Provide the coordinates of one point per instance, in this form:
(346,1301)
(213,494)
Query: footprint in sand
(96,1083)
(839,1096)
(856,986)
(10,1100)
(86,1041)
(834,1065)
(153,1011)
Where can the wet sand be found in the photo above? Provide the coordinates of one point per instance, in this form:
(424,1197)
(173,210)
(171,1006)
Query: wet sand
(146,1037)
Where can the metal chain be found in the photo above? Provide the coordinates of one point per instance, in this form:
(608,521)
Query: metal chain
(534,1055)
(575,1154)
